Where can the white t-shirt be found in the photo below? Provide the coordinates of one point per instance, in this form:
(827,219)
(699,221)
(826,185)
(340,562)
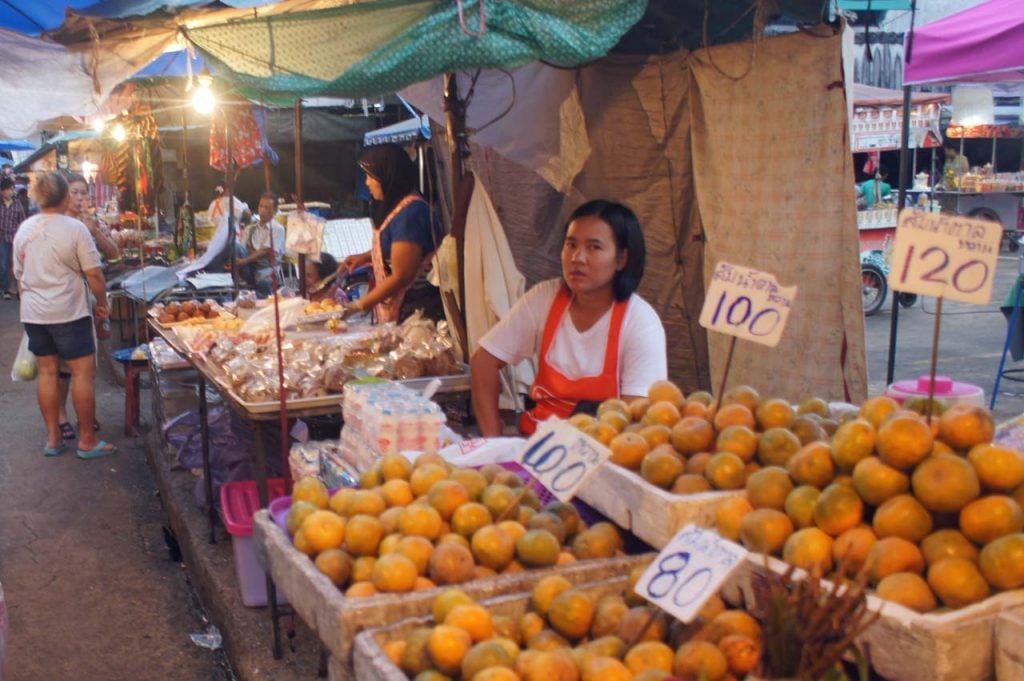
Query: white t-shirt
(642,357)
(51,254)
(260,236)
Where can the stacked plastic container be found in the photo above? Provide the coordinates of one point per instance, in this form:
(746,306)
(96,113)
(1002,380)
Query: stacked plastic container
(387,418)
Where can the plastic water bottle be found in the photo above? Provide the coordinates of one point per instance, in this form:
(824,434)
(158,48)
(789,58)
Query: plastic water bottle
(102,328)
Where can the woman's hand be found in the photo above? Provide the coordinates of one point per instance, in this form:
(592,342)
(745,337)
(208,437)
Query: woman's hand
(354,262)
(486,389)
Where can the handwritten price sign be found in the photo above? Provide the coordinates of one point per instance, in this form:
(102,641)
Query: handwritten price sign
(689,571)
(945,256)
(562,458)
(747,303)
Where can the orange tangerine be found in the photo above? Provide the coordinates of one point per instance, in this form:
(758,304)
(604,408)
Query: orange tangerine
(323,530)
(628,450)
(734,415)
(725,471)
(851,549)
(765,530)
(894,554)
(876,481)
(729,516)
(809,549)
(986,519)
(769,488)
(838,509)
(812,465)
(903,441)
(945,483)
(909,590)
(902,516)
(774,413)
(656,434)
(421,521)
(692,434)
(662,412)
(665,391)
(394,573)
(998,468)
(963,426)
(877,409)
(776,446)
(740,440)
(947,544)
(1002,562)
(853,441)
(743,394)
(799,505)
(957,582)
(446,496)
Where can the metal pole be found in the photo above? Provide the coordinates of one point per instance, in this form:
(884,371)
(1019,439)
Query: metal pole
(186,208)
(229,187)
(299,198)
(901,203)
(455,122)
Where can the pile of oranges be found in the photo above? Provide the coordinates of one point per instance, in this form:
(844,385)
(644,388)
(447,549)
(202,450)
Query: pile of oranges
(412,526)
(931,508)
(570,633)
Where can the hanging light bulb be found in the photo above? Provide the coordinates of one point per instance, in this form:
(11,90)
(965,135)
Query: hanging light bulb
(98,124)
(203,99)
(119,133)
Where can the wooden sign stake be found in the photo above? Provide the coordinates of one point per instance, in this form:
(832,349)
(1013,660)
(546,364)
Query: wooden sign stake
(725,374)
(935,357)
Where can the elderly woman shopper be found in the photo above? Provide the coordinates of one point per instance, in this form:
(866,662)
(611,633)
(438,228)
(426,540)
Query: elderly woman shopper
(55,257)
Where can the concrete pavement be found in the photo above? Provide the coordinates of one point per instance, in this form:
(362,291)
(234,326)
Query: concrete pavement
(90,589)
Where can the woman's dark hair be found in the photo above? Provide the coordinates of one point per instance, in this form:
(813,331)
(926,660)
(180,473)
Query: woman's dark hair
(390,165)
(75,177)
(628,237)
(6,183)
(327,266)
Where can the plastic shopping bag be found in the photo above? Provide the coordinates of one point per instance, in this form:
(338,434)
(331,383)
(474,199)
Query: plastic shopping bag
(24,368)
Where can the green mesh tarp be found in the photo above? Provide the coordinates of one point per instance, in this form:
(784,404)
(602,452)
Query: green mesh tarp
(377,47)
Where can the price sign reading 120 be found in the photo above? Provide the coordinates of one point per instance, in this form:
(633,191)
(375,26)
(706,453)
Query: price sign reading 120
(747,303)
(689,571)
(561,457)
(945,256)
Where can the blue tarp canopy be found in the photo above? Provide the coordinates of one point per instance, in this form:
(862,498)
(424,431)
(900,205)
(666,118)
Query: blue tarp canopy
(33,17)
(16,145)
(172,65)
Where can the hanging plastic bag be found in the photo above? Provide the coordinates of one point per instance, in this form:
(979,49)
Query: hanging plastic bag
(305,234)
(25,368)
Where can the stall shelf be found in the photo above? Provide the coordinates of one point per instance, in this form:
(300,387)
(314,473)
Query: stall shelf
(259,417)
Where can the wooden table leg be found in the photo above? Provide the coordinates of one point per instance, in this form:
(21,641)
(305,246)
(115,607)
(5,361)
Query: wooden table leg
(261,485)
(204,433)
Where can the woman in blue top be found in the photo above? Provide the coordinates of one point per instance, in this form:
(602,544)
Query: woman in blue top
(406,233)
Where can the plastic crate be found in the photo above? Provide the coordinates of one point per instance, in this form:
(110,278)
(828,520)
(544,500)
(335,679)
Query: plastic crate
(238,502)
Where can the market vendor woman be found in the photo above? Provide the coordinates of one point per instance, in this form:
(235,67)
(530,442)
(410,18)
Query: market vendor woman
(594,337)
(406,234)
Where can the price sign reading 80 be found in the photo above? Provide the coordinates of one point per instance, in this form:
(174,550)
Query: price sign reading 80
(562,458)
(747,303)
(945,256)
(689,571)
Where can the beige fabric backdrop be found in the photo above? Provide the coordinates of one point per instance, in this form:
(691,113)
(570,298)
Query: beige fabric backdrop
(760,168)
(774,185)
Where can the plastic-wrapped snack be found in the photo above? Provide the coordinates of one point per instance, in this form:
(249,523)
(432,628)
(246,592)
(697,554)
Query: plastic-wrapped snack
(304,461)
(408,366)
(246,299)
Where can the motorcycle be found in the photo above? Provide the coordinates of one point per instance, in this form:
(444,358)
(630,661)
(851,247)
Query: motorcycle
(874,282)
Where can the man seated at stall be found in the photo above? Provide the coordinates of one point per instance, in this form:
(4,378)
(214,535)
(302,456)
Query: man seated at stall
(253,258)
(877,190)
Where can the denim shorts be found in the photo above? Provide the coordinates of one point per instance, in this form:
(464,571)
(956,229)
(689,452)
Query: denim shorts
(69,340)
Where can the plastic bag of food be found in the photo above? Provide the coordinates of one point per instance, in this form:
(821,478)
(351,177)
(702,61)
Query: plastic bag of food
(305,233)
(25,368)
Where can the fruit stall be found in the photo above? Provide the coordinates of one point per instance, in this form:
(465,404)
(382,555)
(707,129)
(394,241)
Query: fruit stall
(432,570)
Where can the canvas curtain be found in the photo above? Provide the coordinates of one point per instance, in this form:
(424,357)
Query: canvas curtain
(759,168)
(774,176)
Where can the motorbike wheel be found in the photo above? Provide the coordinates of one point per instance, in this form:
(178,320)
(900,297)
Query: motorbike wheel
(908,299)
(873,288)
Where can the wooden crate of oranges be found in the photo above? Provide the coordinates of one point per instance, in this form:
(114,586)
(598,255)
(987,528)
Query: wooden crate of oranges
(931,509)
(677,459)
(558,630)
(369,556)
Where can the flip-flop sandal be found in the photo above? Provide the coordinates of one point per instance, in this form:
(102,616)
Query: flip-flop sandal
(55,451)
(101,449)
(67,431)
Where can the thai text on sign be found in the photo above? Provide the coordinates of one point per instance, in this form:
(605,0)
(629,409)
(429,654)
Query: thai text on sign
(747,303)
(945,256)
(561,457)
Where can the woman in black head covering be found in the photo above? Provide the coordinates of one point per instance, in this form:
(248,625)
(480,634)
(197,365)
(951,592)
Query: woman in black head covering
(406,233)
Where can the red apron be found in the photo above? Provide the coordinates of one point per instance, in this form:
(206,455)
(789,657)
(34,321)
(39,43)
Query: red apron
(388,309)
(554,393)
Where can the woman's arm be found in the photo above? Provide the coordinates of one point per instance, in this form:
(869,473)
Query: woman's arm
(355,261)
(486,385)
(406,258)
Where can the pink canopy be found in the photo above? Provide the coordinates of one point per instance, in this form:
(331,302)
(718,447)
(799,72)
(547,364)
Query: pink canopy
(984,43)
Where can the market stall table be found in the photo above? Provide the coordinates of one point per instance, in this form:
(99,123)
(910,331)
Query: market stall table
(258,414)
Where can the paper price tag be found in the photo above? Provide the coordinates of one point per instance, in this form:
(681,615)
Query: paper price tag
(747,303)
(945,256)
(689,571)
(562,458)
